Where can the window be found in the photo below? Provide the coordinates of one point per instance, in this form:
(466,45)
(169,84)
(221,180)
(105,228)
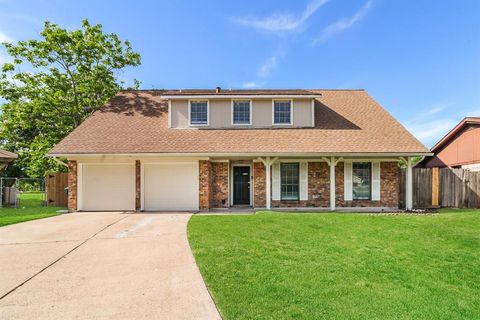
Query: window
(289,179)
(199,112)
(282,112)
(241,112)
(361,178)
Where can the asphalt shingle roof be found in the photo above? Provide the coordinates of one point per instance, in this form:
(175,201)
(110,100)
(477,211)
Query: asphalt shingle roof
(346,121)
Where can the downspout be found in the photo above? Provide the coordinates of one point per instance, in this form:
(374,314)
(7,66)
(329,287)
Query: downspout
(60,161)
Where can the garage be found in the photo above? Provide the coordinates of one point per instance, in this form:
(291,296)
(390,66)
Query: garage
(171,186)
(107,187)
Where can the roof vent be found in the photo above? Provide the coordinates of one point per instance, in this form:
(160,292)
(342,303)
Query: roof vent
(218,89)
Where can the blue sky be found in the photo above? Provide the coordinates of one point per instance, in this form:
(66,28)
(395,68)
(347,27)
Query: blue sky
(419,59)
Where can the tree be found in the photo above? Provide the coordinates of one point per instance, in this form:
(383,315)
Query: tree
(53,84)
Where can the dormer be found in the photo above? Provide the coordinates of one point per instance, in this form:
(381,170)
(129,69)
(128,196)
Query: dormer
(241,109)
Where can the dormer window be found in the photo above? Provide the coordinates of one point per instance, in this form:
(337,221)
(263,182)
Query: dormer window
(198,113)
(282,111)
(241,112)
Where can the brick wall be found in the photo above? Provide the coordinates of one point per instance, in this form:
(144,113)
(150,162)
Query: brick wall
(205,184)
(318,188)
(219,198)
(137,185)
(72,185)
(259,178)
(389,187)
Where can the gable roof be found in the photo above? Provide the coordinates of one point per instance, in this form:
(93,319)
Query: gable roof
(450,135)
(346,121)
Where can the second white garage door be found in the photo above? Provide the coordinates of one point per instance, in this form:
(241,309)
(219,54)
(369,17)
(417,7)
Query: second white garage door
(172,186)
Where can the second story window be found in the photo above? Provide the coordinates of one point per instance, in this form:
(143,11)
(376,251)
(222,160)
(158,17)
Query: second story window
(199,112)
(241,112)
(282,112)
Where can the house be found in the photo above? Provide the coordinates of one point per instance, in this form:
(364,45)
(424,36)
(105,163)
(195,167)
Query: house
(160,150)
(6,157)
(460,148)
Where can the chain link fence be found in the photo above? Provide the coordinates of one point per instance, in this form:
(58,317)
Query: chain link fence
(15,191)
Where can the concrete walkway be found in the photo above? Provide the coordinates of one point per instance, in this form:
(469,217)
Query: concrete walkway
(101,266)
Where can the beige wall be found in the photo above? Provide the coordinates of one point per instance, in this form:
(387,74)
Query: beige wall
(221,114)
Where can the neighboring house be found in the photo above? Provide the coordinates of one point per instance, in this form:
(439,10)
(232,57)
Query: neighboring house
(6,157)
(201,149)
(460,148)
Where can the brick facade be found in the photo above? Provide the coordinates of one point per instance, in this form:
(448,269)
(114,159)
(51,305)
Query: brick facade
(259,178)
(389,187)
(72,185)
(219,197)
(137,185)
(319,187)
(205,184)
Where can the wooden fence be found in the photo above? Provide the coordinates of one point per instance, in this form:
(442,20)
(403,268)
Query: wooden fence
(444,187)
(56,184)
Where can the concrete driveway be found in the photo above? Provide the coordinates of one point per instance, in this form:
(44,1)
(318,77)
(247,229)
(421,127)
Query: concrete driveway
(101,266)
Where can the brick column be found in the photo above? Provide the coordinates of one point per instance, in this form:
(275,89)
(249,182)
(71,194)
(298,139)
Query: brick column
(205,184)
(138,186)
(72,185)
(259,182)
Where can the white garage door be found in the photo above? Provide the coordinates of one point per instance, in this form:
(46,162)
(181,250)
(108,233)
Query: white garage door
(171,186)
(109,187)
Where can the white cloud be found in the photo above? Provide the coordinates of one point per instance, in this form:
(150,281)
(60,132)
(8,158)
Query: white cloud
(343,24)
(252,84)
(279,22)
(5,38)
(267,67)
(431,125)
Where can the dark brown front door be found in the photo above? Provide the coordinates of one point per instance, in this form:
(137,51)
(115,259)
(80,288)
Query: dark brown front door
(241,185)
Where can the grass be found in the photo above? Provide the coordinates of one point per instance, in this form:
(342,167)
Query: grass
(30,208)
(341,266)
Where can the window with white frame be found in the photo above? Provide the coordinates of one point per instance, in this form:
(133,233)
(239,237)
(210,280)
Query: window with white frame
(289,181)
(362,180)
(198,112)
(241,112)
(282,112)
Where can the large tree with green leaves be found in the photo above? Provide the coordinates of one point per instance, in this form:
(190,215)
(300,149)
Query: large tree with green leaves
(53,84)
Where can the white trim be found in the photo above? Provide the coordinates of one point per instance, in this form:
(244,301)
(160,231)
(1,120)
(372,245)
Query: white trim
(169,113)
(250,110)
(313,112)
(236,96)
(273,112)
(189,113)
(79,186)
(348,181)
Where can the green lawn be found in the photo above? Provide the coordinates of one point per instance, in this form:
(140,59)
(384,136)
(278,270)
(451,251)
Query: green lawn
(341,266)
(30,208)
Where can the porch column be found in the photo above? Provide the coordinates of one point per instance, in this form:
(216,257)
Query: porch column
(409,186)
(268,188)
(332,183)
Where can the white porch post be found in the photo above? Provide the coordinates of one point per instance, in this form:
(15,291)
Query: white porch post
(332,183)
(268,182)
(409,186)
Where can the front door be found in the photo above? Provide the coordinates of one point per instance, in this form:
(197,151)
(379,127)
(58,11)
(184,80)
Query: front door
(241,185)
